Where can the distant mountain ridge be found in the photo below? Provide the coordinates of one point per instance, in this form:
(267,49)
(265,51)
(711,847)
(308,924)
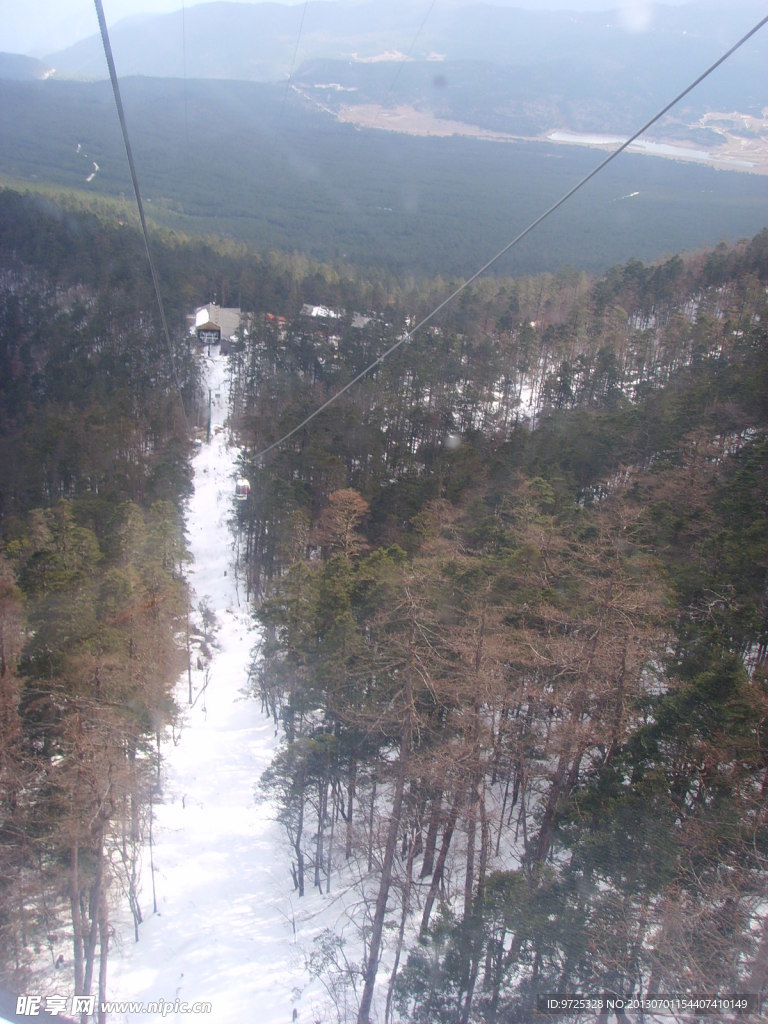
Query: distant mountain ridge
(499,68)
(268,41)
(23,69)
(237,41)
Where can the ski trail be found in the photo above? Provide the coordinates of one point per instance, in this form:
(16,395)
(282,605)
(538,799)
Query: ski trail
(223,932)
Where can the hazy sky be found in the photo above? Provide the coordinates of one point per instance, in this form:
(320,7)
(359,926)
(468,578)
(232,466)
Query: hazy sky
(44,26)
(40,26)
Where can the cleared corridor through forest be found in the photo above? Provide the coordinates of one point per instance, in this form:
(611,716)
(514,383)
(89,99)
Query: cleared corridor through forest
(223,931)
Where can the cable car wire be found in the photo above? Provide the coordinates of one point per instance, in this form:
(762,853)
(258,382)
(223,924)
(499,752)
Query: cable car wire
(292,68)
(298,40)
(409,51)
(137,192)
(518,238)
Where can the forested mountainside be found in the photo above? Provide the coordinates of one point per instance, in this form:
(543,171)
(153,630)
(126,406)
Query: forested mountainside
(93,472)
(513,586)
(513,593)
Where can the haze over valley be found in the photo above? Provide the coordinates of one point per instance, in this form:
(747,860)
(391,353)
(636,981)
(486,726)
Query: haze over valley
(371,133)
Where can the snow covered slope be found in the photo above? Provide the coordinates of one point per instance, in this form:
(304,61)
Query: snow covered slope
(223,933)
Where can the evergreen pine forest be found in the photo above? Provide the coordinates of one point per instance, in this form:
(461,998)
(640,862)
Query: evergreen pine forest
(512,592)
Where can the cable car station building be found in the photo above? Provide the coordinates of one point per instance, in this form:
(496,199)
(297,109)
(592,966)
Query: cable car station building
(212,323)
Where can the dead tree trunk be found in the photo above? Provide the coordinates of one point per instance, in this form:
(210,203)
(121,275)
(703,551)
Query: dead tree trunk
(430,843)
(393,831)
(377,928)
(437,875)
(77,919)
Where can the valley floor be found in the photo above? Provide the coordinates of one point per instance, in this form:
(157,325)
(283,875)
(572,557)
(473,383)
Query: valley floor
(735,152)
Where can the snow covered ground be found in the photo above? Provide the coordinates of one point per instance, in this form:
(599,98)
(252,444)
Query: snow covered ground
(224,930)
